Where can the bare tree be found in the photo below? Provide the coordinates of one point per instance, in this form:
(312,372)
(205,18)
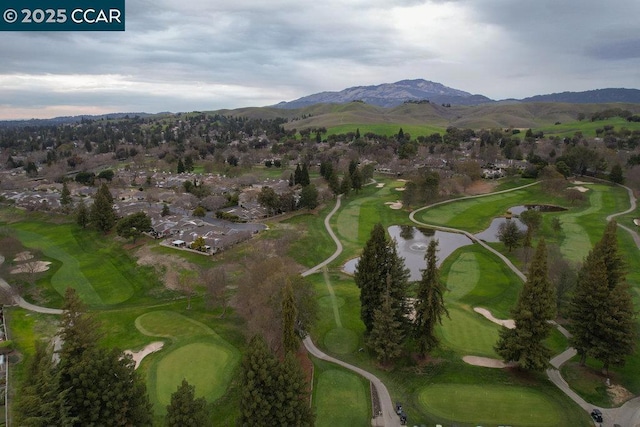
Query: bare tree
(216,284)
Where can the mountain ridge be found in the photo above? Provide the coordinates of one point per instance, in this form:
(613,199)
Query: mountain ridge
(419,90)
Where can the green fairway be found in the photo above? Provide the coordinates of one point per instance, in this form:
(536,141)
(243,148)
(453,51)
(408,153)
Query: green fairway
(464,274)
(341,398)
(469,333)
(341,341)
(491,404)
(197,354)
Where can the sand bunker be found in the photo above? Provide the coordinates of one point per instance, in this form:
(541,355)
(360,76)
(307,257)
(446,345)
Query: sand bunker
(400,189)
(380,185)
(31,267)
(485,362)
(23,256)
(139,355)
(580,183)
(401,180)
(580,189)
(394,205)
(508,323)
(637,222)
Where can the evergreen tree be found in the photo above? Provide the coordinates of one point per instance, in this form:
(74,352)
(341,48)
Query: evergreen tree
(290,340)
(334,183)
(82,214)
(132,226)
(345,184)
(297,175)
(613,260)
(304,175)
(188,164)
(165,210)
(39,402)
(429,305)
(181,167)
(291,396)
(356,180)
(309,197)
(65,197)
(378,263)
(102,215)
(387,332)
(185,409)
(535,307)
(616,174)
(258,384)
(292,181)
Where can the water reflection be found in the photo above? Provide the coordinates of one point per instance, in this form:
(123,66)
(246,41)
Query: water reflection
(491,233)
(412,245)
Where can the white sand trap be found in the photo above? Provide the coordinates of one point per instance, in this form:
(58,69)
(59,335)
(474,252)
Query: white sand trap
(139,355)
(380,185)
(23,256)
(485,362)
(394,205)
(31,267)
(508,323)
(580,189)
(401,180)
(579,183)
(637,222)
(400,189)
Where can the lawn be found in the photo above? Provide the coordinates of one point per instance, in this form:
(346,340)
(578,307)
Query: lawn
(195,352)
(468,333)
(340,397)
(493,404)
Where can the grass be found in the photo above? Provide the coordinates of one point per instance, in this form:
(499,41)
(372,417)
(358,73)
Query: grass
(196,353)
(467,332)
(587,127)
(333,388)
(491,404)
(387,129)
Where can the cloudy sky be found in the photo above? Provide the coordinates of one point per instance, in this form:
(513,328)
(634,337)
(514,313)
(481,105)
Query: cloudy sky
(185,55)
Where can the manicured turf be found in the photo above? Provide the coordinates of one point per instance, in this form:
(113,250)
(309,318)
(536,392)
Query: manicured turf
(197,354)
(341,398)
(341,341)
(464,274)
(469,333)
(491,405)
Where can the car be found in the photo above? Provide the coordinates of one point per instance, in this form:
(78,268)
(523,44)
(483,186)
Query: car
(596,414)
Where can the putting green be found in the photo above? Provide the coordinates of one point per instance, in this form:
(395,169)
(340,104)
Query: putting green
(340,399)
(464,275)
(203,364)
(490,405)
(341,341)
(469,333)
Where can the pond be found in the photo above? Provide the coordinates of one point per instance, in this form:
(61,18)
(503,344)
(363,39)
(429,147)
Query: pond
(412,243)
(491,234)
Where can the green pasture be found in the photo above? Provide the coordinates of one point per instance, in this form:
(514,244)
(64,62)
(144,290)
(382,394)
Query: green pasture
(340,397)
(492,404)
(195,352)
(102,272)
(587,127)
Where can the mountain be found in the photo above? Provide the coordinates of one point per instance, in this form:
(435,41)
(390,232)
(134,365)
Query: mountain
(391,95)
(597,96)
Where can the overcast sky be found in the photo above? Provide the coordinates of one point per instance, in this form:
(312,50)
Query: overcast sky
(204,55)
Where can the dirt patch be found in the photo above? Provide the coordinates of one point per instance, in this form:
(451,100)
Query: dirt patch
(485,362)
(480,187)
(167,266)
(618,394)
(31,267)
(507,323)
(23,256)
(139,355)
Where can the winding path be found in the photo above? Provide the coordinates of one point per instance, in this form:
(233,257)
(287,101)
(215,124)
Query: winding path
(21,302)
(628,415)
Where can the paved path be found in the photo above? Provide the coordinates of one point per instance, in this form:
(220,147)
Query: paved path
(17,299)
(628,415)
(388,417)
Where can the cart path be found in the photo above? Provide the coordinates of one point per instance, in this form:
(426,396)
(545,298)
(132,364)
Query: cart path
(627,415)
(21,302)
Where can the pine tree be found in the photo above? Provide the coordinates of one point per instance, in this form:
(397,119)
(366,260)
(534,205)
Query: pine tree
(102,214)
(257,384)
(165,210)
(429,305)
(378,263)
(290,339)
(345,184)
(613,260)
(185,409)
(82,214)
(297,175)
(387,332)
(535,307)
(304,176)
(65,198)
(292,395)
(181,167)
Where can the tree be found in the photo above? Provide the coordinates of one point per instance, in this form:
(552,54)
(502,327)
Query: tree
(102,385)
(199,212)
(132,226)
(102,215)
(82,214)
(215,283)
(309,197)
(345,184)
(378,263)
(509,234)
(199,244)
(532,218)
(106,174)
(535,307)
(185,409)
(290,340)
(165,210)
(65,198)
(429,305)
(387,332)
(181,167)
(616,174)
(269,199)
(187,285)
(601,311)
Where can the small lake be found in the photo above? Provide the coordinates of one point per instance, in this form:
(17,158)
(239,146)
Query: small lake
(412,243)
(491,234)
